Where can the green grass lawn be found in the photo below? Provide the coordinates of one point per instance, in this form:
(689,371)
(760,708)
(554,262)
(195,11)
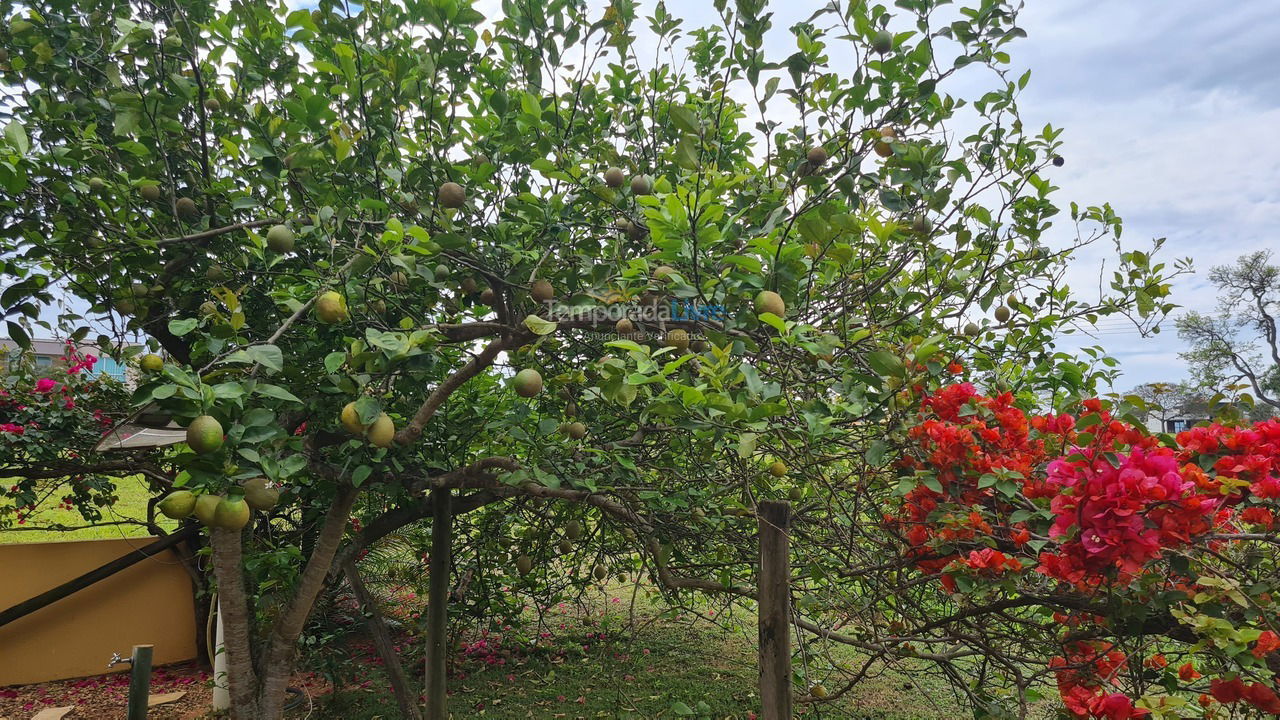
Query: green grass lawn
(686,667)
(133,495)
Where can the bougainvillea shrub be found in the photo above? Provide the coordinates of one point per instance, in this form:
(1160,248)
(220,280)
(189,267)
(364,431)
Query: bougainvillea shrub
(49,417)
(1151,552)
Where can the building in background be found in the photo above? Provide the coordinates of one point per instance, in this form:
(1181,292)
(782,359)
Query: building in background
(48,352)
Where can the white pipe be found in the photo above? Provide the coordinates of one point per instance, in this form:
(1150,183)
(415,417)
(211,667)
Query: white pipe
(221,696)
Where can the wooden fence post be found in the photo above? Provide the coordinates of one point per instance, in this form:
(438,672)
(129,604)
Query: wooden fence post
(140,682)
(775,609)
(438,605)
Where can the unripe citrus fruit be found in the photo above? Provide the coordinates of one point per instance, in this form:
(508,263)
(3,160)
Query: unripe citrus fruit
(882,42)
(177,504)
(351,419)
(205,507)
(231,513)
(678,339)
(280,239)
(542,291)
(382,431)
(204,434)
(186,208)
(259,495)
(331,307)
(768,301)
(527,382)
(640,185)
(451,195)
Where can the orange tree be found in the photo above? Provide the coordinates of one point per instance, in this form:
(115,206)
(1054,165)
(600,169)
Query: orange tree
(400,248)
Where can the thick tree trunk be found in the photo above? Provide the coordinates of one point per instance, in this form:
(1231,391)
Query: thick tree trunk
(258,689)
(277,666)
(237,622)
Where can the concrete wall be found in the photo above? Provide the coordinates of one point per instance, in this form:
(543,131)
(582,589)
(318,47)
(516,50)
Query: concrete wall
(150,602)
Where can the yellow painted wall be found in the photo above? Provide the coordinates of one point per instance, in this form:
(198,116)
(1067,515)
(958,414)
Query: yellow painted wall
(150,602)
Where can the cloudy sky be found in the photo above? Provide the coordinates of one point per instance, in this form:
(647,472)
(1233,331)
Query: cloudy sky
(1171,110)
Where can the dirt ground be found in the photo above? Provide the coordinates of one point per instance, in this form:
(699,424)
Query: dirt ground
(105,697)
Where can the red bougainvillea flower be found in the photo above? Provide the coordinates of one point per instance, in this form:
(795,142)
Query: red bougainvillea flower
(1262,697)
(1227,691)
(993,561)
(1119,502)
(1255,515)
(1267,642)
(1083,675)
(1120,517)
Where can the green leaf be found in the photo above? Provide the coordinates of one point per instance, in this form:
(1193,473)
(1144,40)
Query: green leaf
(368,410)
(277,392)
(539,326)
(228,391)
(268,356)
(18,335)
(886,363)
(875,453)
(184,326)
(680,708)
(774,322)
(17,136)
(360,474)
(684,119)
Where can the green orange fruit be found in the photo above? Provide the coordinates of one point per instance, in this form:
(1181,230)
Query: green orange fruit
(768,301)
(527,382)
(382,431)
(451,195)
(204,435)
(280,239)
(351,419)
(259,495)
(177,504)
(331,307)
(231,513)
(205,507)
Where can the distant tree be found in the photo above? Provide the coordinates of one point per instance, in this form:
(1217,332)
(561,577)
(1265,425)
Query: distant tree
(1163,401)
(1238,343)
